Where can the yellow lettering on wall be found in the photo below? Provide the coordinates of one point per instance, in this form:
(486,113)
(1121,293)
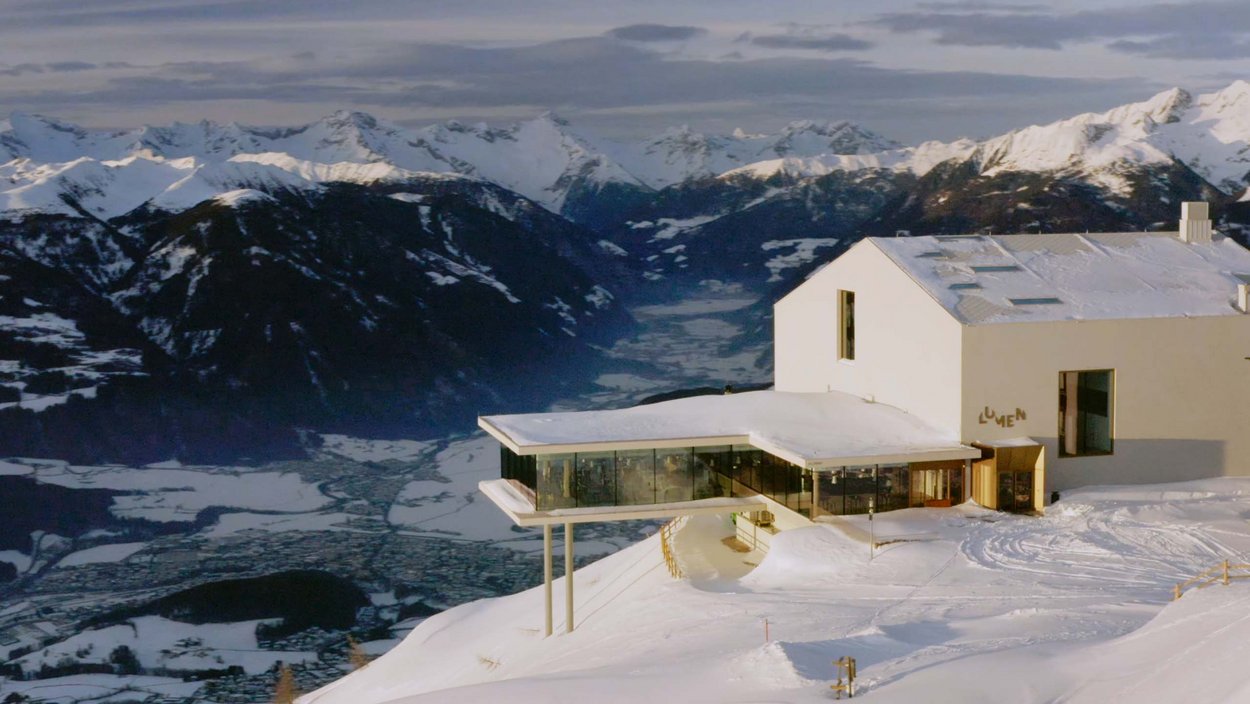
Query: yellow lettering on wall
(989,415)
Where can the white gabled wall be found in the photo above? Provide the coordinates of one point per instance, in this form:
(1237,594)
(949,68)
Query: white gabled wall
(1181,398)
(907,346)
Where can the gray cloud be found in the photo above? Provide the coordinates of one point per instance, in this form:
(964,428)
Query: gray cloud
(53,67)
(70,66)
(1154,30)
(609,85)
(655,32)
(1186,47)
(833,42)
(975,6)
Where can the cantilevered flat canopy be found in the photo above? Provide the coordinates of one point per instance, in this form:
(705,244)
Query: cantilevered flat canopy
(813,430)
(522,512)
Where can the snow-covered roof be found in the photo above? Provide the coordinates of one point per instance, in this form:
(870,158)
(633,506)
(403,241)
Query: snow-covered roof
(830,429)
(1028,278)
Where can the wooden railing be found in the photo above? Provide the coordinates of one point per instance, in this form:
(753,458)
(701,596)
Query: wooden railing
(1222,573)
(666,545)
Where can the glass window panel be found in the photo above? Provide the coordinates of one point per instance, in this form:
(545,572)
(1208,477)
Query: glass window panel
(932,486)
(805,485)
(893,487)
(674,476)
(1085,413)
(922,487)
(517,468)
(713,475)
(596,479)
(846,342)
(635,477)
(1006,492)
(861,485)
(1094,407)
(746,468)
(556,482)
(1023,491)
(832,486)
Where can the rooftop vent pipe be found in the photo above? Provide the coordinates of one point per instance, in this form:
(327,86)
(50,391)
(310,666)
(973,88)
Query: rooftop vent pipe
(1195,223)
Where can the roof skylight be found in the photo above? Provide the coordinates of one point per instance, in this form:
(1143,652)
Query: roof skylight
(1034,301)
(963,286)
(982,268)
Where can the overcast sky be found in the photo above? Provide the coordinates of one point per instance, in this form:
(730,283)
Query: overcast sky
(909,69)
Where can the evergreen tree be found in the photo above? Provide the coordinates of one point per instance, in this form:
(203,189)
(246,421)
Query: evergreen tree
(125,660)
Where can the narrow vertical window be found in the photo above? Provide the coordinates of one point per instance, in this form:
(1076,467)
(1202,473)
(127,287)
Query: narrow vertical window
(846,323)
(1085,413)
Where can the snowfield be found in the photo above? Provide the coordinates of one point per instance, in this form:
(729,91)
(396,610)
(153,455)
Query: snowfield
(959,605)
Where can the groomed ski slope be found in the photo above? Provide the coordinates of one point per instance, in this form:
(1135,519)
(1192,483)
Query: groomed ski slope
(970,606)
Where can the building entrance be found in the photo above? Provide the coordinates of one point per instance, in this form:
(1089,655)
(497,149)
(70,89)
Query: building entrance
(1008,477)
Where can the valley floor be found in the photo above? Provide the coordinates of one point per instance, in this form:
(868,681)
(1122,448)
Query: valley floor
(968,606)
(402,519)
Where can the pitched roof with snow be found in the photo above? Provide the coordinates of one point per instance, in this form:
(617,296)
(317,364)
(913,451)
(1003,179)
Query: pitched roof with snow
(984,279)
(827,429)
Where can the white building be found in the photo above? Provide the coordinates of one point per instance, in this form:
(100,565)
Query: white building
(924,371)
(1123,356)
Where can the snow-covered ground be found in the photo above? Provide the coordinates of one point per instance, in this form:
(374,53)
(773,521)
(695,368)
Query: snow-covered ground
(162,494)
(102,688)
(967,605)
(164,644)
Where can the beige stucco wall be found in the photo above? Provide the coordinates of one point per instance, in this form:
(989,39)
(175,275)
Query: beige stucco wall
(907,345)
(1181,395)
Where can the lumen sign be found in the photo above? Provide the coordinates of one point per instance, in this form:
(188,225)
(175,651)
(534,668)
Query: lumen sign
(1003,420)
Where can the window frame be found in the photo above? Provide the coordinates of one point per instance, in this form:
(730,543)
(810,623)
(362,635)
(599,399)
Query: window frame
(846,323)
(1111,414)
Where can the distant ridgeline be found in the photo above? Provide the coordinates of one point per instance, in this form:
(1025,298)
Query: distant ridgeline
(206,291)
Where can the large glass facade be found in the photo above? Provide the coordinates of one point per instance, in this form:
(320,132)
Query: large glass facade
(671,475)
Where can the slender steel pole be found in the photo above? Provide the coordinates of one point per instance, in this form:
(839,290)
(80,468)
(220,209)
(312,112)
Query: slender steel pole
(547,575)
(568,577)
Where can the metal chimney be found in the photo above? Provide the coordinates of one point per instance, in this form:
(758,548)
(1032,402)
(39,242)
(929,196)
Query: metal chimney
(1195,223)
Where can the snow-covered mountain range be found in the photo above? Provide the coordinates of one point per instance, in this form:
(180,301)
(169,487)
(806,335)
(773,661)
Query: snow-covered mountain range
(175,167)
(319,273)
(110,173)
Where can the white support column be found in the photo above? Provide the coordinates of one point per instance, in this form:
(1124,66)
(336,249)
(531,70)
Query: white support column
(815,494)
(568,577)
(967,480)
(547,575)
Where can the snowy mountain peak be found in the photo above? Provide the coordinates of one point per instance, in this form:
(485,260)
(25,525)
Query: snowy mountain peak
(31,124)
(552,117)
(1142,118)
(352,118)
(1235,93)
(832,137)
